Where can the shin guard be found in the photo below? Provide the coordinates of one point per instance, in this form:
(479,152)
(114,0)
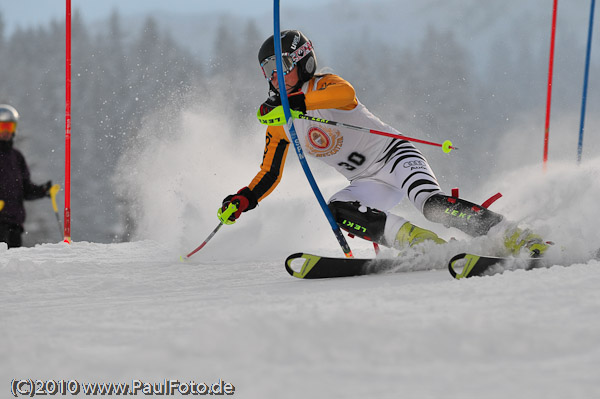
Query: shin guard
(361,221)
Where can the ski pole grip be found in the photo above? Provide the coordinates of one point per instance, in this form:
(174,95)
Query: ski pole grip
(226,214)
(53,191)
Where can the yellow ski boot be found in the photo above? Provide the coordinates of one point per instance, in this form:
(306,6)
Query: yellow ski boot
(517,239)
(410,235)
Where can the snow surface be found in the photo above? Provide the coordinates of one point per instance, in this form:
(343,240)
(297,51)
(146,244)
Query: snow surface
(118,312)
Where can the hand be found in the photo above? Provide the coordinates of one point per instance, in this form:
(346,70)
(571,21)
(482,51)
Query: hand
(296,101)
(271,112)
(272,102)
(245,200)
(46,187)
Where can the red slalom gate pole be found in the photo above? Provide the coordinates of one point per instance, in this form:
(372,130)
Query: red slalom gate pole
(549,97)
(67,217)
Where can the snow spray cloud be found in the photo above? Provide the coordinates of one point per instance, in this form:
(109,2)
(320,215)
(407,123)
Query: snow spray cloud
(183,163)
(185,160)
(560,205)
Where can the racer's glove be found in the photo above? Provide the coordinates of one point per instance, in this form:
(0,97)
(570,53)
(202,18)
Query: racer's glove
(271,112)
(297,101)
(46,187)
(272,102)
(244,200)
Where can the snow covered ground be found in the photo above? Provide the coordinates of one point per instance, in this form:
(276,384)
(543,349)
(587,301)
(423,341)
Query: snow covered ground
(132,311)
(123,312)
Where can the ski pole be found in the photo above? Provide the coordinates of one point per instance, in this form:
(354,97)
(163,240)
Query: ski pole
(53,191)
(446,145)
(231,209)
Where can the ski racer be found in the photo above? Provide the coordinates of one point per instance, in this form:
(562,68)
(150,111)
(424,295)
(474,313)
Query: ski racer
(382,171)
(15,182)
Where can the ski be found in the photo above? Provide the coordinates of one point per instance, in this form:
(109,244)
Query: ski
(477,265)
(463,265)
(315,266)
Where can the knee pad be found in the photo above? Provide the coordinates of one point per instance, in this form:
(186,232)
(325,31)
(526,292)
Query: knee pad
(361,221)
(470,218)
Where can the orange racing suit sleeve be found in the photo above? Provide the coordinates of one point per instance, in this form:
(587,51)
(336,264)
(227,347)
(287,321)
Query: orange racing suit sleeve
(331,92)
(271,169)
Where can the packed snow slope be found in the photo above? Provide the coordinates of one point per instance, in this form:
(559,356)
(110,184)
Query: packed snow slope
(132,311)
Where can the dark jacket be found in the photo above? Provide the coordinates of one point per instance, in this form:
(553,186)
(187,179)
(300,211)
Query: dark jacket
(15,186)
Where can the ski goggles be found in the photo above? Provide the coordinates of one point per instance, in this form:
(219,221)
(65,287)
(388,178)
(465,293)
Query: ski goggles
(269,66)
(289,60)
(10,127)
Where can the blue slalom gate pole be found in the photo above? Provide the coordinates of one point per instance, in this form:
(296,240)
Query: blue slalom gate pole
(585,83)
(294,137)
